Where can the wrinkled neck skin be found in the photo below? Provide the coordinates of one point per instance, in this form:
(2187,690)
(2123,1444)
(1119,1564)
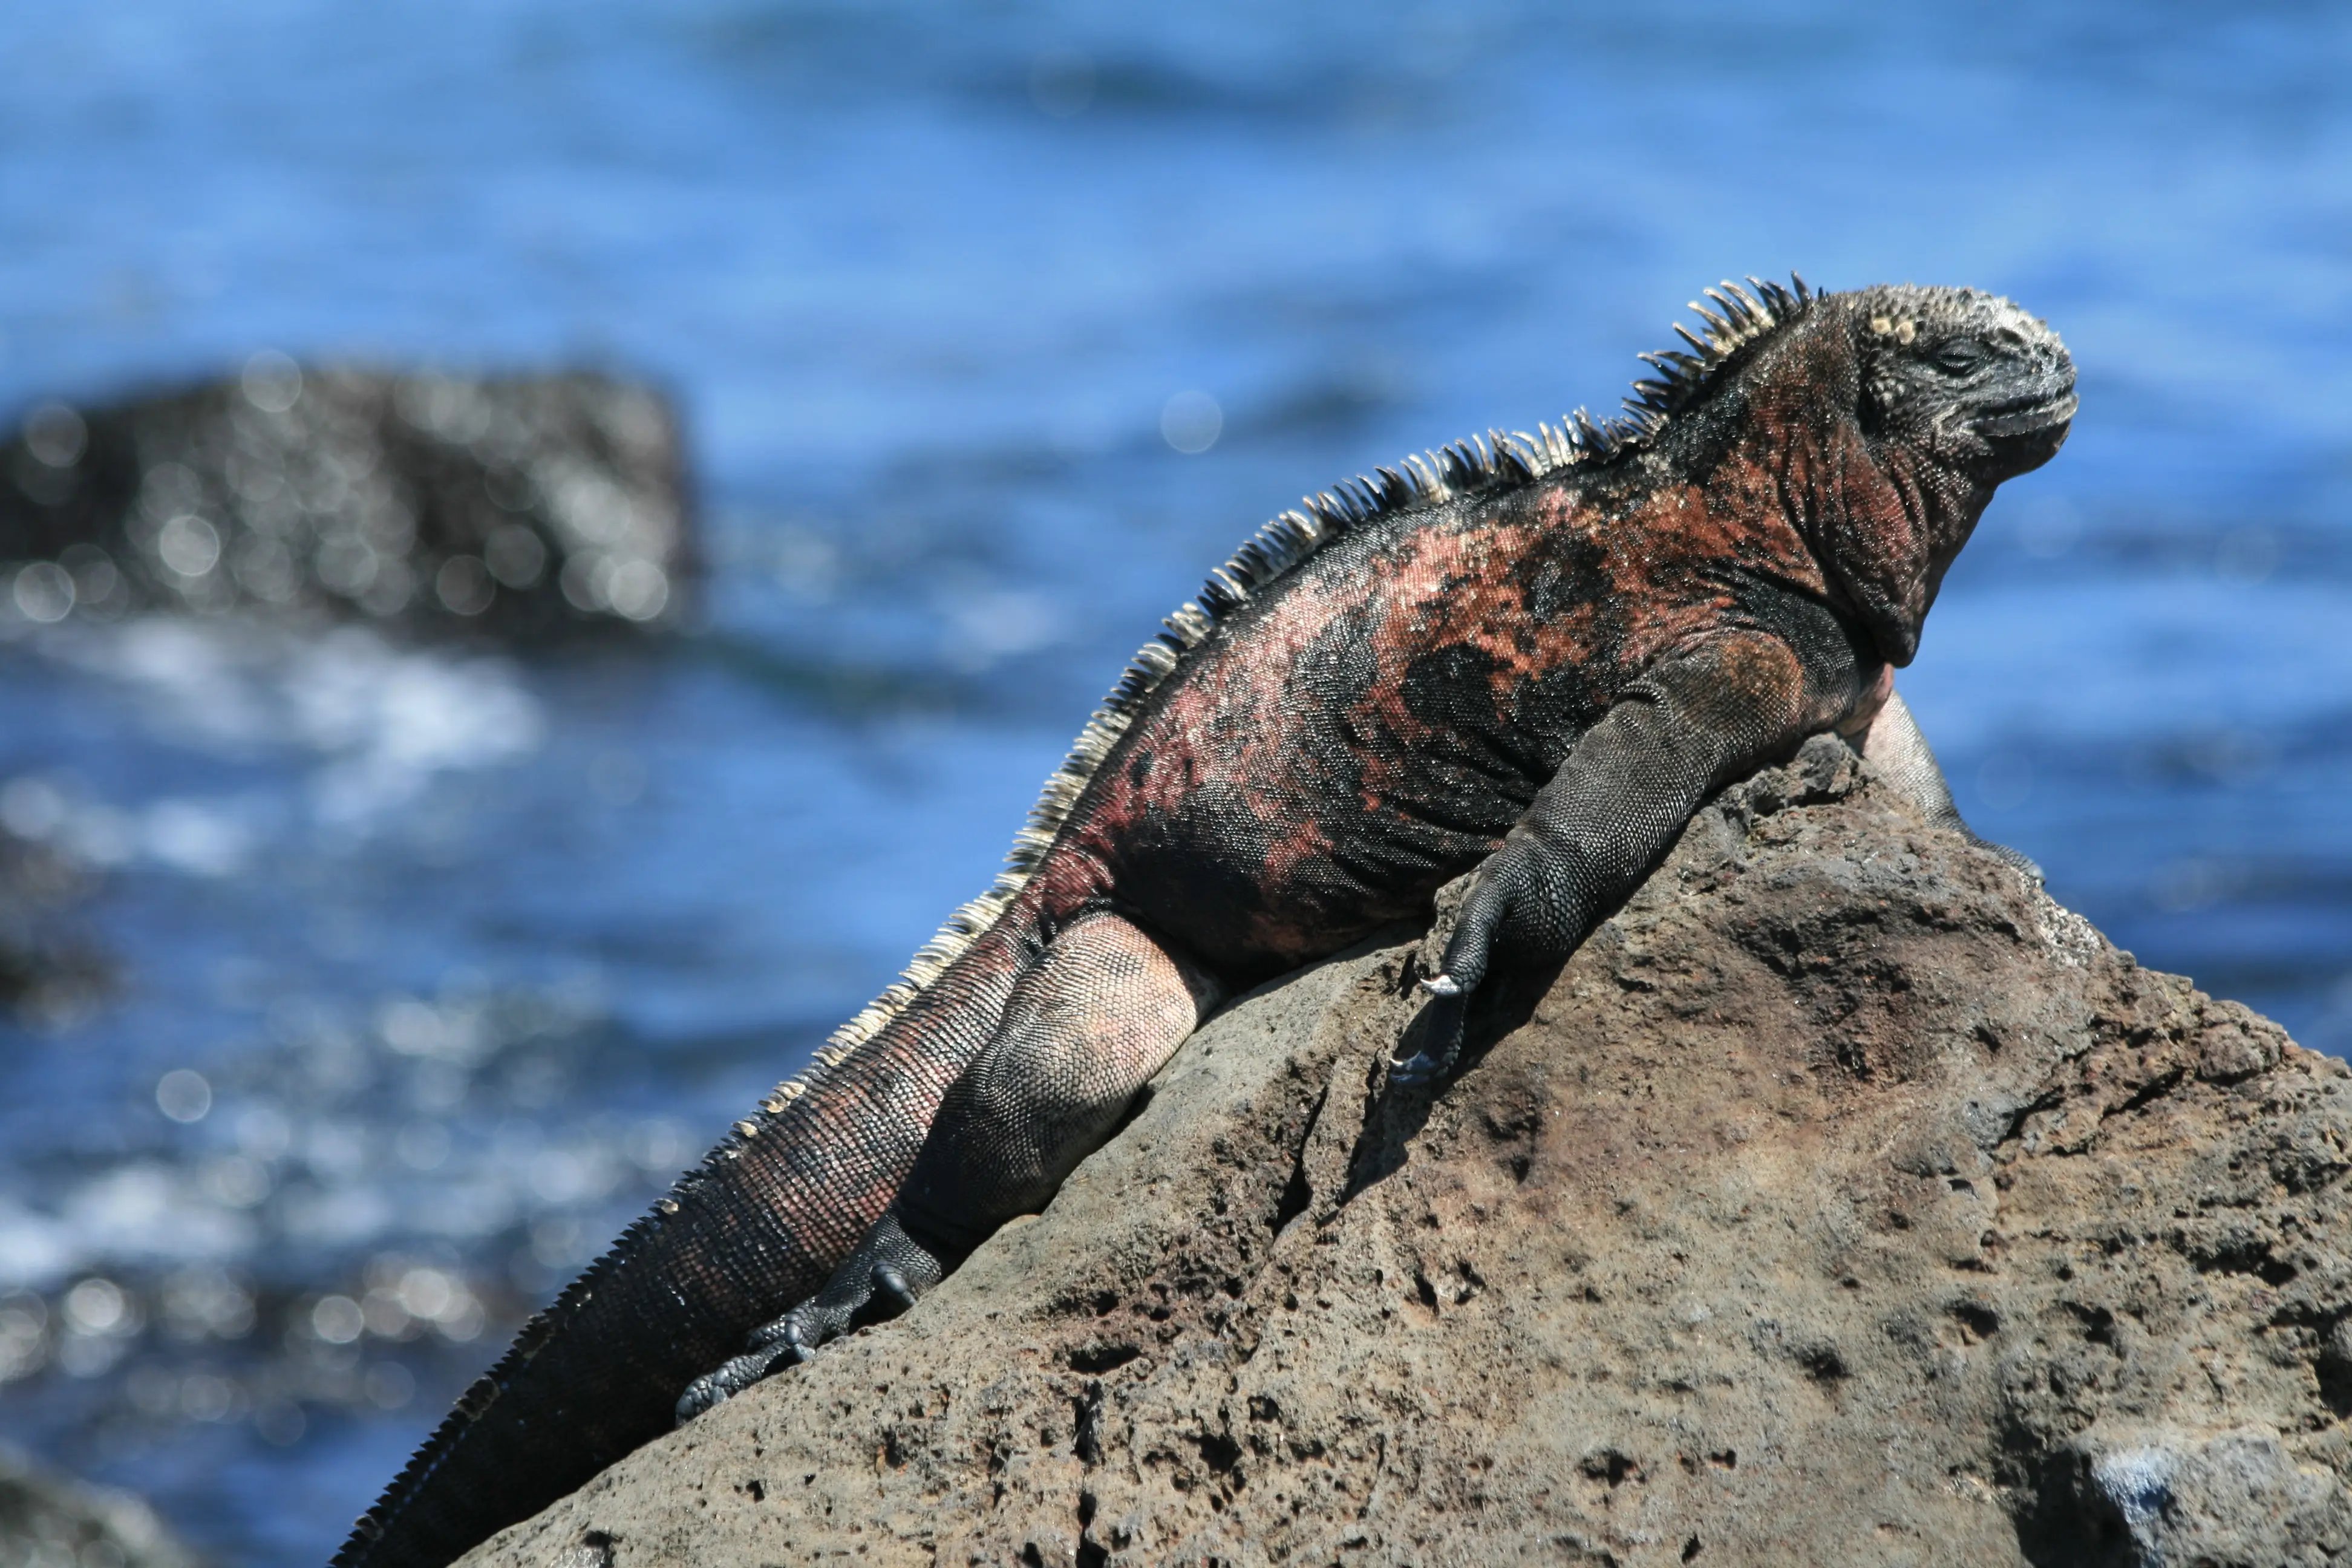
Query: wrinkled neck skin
(1881,515)
(1897,518)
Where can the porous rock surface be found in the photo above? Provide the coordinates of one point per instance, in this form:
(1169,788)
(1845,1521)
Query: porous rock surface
(1843,1200)
(517,506)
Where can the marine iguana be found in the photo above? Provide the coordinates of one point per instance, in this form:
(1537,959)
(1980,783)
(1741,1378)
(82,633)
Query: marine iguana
(1531,654)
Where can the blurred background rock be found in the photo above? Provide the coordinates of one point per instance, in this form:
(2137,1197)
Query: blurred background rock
(50,971)
(434,952)
(520,507)
(48,1520)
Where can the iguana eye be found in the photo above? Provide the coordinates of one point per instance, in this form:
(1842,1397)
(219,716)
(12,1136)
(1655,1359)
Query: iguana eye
(1959,356)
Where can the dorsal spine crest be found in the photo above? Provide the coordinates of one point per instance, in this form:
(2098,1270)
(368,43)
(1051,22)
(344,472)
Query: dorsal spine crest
(1478,464)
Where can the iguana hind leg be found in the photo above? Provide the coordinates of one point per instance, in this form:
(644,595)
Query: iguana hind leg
(1094,1016)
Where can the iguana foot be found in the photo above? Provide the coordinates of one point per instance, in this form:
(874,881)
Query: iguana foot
(1439,1026)
(716,1387)
(880,1280)
(883,1276)
(1418,1068)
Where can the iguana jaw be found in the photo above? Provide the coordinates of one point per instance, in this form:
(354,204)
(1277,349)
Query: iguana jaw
(2024,421)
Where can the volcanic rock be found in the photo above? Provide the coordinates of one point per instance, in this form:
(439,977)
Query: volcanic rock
(1842,1200)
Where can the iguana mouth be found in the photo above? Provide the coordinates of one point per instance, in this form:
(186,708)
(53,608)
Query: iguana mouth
(2017,421)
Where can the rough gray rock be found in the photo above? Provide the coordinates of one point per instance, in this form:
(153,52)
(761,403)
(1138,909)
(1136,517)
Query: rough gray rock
(1843,1200)
(519,506)
(49,1522)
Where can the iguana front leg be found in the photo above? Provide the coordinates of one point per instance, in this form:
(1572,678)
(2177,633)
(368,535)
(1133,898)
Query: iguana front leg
(1690,723)
(1093,1017)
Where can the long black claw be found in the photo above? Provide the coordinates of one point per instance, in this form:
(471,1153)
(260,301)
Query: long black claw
(893,1284)
(1418,1068)
(1439,1030)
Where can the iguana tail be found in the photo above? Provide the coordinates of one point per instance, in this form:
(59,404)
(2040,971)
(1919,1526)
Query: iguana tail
(760,1225)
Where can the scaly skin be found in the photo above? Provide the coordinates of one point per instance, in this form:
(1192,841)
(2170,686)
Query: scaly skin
(1537,664)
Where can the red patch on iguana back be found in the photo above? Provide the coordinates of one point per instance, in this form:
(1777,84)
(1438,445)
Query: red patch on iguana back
(1304,777)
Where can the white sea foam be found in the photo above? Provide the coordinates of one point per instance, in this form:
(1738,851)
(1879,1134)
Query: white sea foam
(35,1250)
(145,1212)
(369,723)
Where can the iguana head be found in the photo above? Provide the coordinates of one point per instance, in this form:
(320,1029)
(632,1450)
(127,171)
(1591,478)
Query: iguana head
(1966,377)
(1953,391)
(1883,420)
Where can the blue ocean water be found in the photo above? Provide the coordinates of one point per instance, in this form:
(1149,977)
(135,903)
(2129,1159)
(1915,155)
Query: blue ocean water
(996,326)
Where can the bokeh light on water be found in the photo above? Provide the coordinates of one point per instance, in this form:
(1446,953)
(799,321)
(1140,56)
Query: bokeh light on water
(433,958)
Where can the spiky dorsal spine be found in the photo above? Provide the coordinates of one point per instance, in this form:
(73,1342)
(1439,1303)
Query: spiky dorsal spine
(1498,460)
(1742,319)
